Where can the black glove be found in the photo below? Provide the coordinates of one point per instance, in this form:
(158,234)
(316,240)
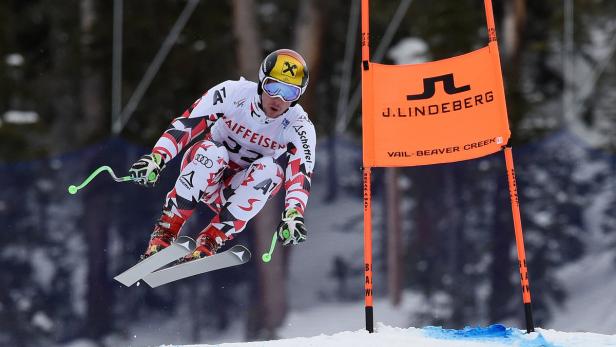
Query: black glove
(146,170)
(291,229)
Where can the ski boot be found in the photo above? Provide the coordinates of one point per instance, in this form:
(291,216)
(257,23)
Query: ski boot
(209,242)
(165,232)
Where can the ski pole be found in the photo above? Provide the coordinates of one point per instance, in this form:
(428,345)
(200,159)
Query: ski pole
(72,189)
(267,256)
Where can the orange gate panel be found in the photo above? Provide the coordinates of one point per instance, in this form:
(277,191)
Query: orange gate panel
(437,112)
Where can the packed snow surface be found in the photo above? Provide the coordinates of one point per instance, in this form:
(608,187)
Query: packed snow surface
(495,335)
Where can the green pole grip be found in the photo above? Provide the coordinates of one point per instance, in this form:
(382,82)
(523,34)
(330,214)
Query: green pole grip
(72,189)
(267,256)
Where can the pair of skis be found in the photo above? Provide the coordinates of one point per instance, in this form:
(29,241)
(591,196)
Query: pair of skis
(152,270)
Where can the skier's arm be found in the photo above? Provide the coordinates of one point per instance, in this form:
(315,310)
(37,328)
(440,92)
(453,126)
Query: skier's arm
(301,154)
(196,120)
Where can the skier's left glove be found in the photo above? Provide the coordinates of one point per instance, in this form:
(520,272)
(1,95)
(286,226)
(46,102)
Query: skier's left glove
(291,229)
(146,170)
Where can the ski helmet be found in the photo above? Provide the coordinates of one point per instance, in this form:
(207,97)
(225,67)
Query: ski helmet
(286,66)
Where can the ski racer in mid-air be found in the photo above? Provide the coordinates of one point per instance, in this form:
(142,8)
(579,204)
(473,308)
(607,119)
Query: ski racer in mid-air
(256,139)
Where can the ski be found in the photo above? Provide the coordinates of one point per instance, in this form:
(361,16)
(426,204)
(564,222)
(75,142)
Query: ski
(183,246)
(236,255)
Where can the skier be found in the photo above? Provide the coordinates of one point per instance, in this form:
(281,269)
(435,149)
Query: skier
(256,138)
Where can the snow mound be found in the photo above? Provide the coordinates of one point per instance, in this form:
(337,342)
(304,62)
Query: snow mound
(494,336)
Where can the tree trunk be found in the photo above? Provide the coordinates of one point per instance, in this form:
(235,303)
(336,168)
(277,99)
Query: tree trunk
(270,308)
(422,245)
(60,84)
(248,37)
(460,288)
(502,267)
(96,220)
(268,311)
(98,295)
(513,41)
(394,237)
(91,88)
(513,25)
(309,31)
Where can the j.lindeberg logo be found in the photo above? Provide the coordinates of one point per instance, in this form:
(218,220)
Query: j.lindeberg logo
(429,86)
(440,105)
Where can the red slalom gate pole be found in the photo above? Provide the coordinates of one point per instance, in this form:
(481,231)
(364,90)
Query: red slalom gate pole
(367,170)
(519,240)
(368,251)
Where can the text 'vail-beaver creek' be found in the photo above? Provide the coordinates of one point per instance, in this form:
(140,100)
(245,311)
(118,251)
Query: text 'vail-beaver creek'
(445,150)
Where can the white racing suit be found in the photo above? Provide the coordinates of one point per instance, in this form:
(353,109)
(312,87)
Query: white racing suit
(244,158)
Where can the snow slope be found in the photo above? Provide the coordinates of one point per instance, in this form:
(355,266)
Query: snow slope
(495,336)
(591,304)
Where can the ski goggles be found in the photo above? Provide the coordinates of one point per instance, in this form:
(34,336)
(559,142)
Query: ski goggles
(287,92)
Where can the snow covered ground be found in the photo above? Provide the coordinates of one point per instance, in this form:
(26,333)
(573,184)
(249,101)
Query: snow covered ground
(340,325)
(494,336)
(591,306)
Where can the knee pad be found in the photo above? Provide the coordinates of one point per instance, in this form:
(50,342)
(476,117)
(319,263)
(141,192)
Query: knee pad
(266,172)
(268,168)
(208,154)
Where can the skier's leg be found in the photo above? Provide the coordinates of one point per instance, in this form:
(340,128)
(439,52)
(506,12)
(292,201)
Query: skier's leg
(242,198)
(202,168)
(200,173)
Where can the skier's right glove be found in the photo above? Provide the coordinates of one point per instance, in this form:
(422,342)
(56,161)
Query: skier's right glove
(291,229)
(146,170)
